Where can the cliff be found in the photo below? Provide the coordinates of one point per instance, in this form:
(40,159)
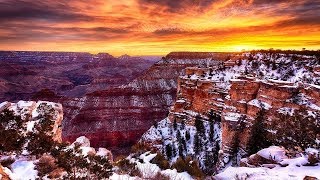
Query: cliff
(236,93)
(117,117)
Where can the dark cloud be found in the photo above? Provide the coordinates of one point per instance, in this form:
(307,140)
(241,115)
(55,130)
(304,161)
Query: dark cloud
(29,32)
(175,6)
(169,31)
(57,11)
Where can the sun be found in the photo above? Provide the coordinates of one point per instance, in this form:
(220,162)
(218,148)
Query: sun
(240,48)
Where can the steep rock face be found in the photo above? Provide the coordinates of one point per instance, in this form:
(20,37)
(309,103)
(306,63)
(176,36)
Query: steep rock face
(30,110)
(242,90)
(116,118)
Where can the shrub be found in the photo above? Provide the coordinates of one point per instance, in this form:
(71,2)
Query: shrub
(313,159)
(127,167)
(140,148)
(189,165)
(99,167)
(45,165)
(7,162)
(161,161)
(160,176)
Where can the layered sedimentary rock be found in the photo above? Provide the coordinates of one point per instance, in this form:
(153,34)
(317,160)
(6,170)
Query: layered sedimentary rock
(238,92)
(117,117)
(22,74)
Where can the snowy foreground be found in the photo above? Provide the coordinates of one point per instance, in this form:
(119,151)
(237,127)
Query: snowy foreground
(285,168)
(149,170)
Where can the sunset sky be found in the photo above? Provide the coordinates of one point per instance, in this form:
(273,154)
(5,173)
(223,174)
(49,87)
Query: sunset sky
(156,27)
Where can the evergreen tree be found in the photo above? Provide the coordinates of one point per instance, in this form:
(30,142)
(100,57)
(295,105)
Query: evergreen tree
(174,150)
(199,125)
(209,163)
(197,143)
(183,124)
(12,137)
(180,148)
(184,144)
(169,151)
(216,152)
(41,139)
(300,130)
(175,125)
(187,135)
(99,167)
(235,143)
(258,135)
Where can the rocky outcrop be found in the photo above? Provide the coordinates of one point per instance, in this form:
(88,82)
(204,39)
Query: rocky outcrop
(117,117)
(235,94)
(30,110)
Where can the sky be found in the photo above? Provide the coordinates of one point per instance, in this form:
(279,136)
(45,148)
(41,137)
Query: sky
(157,27)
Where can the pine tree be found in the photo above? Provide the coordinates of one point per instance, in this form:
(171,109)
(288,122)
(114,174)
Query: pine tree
(235,143)
(41,139)
(174,150)
(183,125)
(175,125)
(216,152)
(197,143)
(199,125)
(169,151)
(187,135)
(180,149)
(184,144)
(258,136)
(12,137)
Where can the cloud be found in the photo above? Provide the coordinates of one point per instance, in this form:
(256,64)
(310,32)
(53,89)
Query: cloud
(175,6)
(40,10)
(166,24)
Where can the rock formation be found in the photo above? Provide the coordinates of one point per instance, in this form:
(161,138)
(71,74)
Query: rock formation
(30,110)
(239,92)
(117,117)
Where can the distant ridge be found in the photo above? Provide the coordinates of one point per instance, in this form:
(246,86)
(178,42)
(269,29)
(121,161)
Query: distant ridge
(198,55)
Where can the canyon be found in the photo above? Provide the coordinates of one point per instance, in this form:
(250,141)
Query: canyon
(67,74)
(233,95)
(117,117)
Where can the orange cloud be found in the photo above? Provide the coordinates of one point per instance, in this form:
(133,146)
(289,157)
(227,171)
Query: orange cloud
(145,27)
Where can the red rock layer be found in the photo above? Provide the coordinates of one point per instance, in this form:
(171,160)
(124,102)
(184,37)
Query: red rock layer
(117,117)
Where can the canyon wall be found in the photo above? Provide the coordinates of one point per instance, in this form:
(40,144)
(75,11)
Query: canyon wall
(117,117)
(234,94)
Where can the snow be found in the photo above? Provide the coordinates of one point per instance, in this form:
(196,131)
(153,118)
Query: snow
(278,173)
(116,176)
(23,169)
(173,174)
(103,152)
(294,168)
(231,116)
(3,104)
(87,150)
(260,104)
(312,151)
(149,170)
(274,153)
(82,141)
(30,125)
